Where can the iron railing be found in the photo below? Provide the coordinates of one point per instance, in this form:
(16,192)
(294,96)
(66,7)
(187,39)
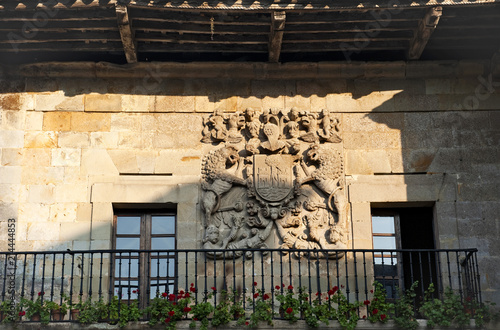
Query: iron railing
(142,274)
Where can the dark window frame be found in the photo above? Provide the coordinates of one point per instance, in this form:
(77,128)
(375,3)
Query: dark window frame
(145,260)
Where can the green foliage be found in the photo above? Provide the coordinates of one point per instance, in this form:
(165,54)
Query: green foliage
(262,308)
(229,308)
(36,308)
(405,315)
(379,309)
(347,312)
(291,303)
(9,311)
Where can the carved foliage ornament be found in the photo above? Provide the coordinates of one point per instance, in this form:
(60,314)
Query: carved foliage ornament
(279,170)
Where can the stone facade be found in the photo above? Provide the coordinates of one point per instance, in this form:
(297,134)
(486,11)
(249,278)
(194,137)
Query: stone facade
(73,146)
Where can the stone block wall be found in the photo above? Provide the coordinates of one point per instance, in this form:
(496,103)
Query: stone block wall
(72,146)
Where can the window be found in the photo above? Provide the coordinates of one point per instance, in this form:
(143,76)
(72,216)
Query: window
(148,272)
(409,229)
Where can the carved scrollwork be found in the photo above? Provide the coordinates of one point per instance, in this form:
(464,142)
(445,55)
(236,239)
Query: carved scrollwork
(274,170)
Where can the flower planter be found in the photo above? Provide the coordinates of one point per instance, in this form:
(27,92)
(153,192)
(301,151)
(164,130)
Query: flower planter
(57,315)
(75,313)
(35,318)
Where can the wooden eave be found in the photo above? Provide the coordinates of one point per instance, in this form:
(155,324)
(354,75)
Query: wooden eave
(274,31)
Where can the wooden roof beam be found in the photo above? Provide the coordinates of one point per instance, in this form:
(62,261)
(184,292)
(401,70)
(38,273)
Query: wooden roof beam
(126,33)
(278,19)
(424,31)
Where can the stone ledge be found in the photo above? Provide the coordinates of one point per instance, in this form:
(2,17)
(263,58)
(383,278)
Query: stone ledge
(253,70)
(278,324)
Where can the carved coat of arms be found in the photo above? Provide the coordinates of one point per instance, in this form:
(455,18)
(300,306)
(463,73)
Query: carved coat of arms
(274,171)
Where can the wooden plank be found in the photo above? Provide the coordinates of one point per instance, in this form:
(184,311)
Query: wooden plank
(422,35)
(354,17)
(198,28)
(345,36)
(64,37)
(220,17)
(126,33)
(200,38)
(278,20)
(61,14)
(56,25)
(203,48)
(64,47)
(339,46)
(352,27)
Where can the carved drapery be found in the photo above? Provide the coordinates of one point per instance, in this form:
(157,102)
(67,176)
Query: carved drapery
(274,170)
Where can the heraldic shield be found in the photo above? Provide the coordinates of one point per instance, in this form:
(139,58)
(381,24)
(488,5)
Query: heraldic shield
(273,176)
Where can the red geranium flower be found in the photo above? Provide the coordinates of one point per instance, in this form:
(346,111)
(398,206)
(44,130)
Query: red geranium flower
(187,309)
(382,317)
(256,294)
(181,292)
(289,310)
(277,287)
(214,288)
(22,313)
(282,285)
(164,294)
(192,284)
(366,302)
(246,323)
(171,313)
(364,316)
(187,295)
(195,319)
(334,290)
(371,291)
(254,283)
(171,297)
(41,293)
(167,320)
(375,311)
(290,287)
(192,289)
(265,297)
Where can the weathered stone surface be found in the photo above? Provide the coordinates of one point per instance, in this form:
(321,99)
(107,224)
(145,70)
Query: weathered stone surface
(71,231)
(137,103)
(58,101)
(73,140)
(43,231)
(108,140)
(37,139)
(34,121)
(12,139)
(70,193)
(66,157)
(12,156)
(63,212)
(56,121)
(103,103)
(12,120)
(97,162)
(90,122)
(41,194)
(33,174)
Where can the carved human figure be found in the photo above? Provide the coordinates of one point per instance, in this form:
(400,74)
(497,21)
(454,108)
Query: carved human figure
(330,127)
(217,180)
(219,131)
(235,122)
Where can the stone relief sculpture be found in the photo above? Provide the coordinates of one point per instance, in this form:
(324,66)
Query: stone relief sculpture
(273,171)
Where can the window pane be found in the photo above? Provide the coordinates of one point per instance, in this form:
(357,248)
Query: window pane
(380,243)
(162,243)
(162,267)
(125,243)
(128,225)
(122,289)
(158,287)
(163,224)
(383,225)
(123,266)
